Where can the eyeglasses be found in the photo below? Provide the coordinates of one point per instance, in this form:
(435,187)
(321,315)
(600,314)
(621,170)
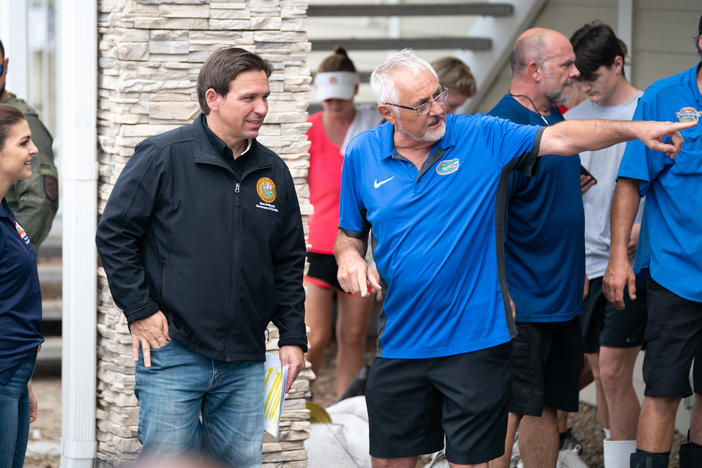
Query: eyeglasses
(2,66)
(425,107)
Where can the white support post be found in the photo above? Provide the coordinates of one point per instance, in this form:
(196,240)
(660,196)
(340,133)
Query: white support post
(14,36)
(625,20)
(77,92)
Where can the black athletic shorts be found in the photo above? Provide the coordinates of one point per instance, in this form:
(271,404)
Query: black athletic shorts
(547,360)
(413,403)
(673,337)
(604,325)
(322,271)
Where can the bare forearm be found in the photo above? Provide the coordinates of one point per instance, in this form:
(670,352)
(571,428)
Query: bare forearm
(625,204)
(619,275)
(346,245)
(354,274)
(573,136)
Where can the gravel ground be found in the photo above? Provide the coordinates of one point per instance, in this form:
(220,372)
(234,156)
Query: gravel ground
(48,391)
(589,432)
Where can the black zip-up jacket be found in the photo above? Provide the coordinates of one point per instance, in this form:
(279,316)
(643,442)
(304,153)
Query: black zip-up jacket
(218,255)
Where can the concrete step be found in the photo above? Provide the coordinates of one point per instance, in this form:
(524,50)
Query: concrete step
(50,351)
(51,247)
(50,279)
(51,310)
(51,317)
(49,272)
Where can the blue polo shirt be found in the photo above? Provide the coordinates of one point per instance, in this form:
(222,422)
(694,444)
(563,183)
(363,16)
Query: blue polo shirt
(20,297)
(437,232)
(670,243)
(545,241)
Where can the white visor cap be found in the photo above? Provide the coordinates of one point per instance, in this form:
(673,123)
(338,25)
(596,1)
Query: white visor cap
(336,85)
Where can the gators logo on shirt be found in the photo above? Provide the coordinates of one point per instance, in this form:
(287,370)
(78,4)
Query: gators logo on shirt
(266,189)
(688,114)
(447,167)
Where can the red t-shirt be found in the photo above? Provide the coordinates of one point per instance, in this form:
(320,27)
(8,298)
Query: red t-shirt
(562,108)
(324,181)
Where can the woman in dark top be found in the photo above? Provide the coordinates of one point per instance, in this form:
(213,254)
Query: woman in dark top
(20,297)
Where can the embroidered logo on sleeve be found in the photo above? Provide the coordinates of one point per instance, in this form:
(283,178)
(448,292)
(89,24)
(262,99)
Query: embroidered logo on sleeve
(688,114)
(447,167)
(22,233)
(265,188)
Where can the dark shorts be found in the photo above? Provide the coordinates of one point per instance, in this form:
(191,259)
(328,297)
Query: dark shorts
(413,403)
(322,271)
(547,360)
(673,337)
(604,325)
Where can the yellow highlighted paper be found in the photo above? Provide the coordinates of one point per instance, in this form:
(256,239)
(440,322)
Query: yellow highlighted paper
(274,393)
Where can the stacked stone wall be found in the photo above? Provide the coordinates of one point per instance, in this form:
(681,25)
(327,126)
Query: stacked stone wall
(150,53)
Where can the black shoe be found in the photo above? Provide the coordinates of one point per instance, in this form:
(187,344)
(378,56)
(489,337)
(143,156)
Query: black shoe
(690,455)
(641,459)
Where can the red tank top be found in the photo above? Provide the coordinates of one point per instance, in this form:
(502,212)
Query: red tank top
(324,181)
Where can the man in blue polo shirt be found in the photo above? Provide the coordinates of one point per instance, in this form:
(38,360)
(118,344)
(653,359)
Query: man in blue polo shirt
(670,247)
(429,186)
(544,253)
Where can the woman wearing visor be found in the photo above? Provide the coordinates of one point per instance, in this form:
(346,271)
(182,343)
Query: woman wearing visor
(332,129)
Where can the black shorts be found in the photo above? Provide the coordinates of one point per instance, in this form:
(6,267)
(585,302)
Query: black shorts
(673,337)
(412,403)
(604,325)
(322,271)
(547,360)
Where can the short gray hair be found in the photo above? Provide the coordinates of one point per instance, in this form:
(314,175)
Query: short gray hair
(527,49)
(382,80)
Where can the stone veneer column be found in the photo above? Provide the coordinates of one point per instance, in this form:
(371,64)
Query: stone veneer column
(150,53)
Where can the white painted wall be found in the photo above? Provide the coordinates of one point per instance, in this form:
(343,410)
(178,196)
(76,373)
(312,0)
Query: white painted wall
(662,42)
(13,32)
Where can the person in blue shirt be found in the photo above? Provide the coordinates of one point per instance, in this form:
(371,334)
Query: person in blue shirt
(670,247)
(20,297)
(544,253)
(429,186)
(612,338)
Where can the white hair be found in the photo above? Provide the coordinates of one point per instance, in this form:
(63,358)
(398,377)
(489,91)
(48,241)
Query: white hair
(382,79)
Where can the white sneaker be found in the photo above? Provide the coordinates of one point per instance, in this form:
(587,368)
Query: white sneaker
(569,459)
(515,460)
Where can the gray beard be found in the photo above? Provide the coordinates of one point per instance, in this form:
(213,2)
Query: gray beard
(557,97)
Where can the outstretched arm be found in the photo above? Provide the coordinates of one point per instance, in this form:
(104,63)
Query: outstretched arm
(619,273)
(573,136)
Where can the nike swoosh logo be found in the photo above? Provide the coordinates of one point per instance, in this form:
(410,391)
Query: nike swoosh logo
(377,184)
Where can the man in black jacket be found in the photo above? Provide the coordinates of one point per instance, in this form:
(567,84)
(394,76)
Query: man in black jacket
(202,243)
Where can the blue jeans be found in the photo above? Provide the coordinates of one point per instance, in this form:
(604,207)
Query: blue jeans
(14,415)
(192,404)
